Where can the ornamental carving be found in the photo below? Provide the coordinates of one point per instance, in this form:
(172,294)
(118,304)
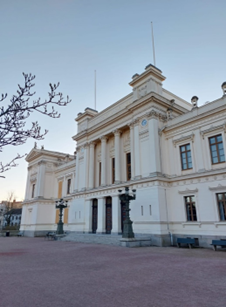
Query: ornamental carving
(184,138)
(212,128)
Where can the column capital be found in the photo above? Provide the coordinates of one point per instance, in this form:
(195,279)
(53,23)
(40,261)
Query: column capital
(78,148)
(29,168)
(86,145)
(41,162)
(103,138)
(117,132)
(92,144)
(152,114)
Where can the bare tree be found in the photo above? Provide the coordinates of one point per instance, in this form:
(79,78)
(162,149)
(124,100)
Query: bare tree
(13,116)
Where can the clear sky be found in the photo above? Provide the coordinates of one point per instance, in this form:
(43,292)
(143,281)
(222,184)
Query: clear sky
(66,40)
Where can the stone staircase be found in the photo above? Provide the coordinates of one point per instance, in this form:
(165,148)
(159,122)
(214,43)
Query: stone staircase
(92,238)
(138,241)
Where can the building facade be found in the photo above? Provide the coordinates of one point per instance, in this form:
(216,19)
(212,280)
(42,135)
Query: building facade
(171,151)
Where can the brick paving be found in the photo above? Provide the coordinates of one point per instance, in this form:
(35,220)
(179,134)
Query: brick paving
(35,272)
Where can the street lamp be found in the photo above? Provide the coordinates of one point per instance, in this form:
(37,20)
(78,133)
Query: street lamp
(127,224)
(60,204)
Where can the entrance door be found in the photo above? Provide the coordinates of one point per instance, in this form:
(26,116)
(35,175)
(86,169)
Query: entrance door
(94,216)
(123,213)
(108,215)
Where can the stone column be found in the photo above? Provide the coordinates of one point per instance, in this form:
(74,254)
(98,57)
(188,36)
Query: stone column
(137,150)
(154,147)
(116,215)
(132,150)
(76,170)
(91,165)
(103,160)
(101,224)
(85,168)
(117,134)
(88,216)
(41,180)
(28,184)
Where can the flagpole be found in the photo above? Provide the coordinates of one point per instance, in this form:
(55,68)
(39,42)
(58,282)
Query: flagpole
(153,45)
(95,90)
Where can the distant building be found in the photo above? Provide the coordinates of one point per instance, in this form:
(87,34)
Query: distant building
(170,150)
(14,216)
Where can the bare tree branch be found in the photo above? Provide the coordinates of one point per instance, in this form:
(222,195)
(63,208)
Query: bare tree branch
(13,117)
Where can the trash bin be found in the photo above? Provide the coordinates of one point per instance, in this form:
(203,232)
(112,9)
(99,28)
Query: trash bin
(7,233)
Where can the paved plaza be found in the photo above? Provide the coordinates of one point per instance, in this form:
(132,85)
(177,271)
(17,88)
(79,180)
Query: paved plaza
(35,272)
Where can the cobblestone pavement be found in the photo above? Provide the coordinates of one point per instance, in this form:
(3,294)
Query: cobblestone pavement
(35,272)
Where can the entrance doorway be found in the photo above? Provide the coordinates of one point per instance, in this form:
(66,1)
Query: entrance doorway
(94,216)
(108,215)
(123,213)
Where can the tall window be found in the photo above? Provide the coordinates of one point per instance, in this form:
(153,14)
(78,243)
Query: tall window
(68,186)
(128,166)
(216,149)
(99,173)
(190,208)
(221,199)
(60,185)
(33,191)
(113,170)
(185,153)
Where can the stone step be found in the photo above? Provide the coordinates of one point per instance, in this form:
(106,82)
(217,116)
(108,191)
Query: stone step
(93,238)
(106,239)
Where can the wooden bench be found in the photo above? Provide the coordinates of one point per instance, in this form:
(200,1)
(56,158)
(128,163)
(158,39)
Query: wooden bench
(50,235)
(216,243)
(188,241)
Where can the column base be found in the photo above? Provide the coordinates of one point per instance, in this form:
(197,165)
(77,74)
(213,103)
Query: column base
(101,232)
(117,182)
(137,177)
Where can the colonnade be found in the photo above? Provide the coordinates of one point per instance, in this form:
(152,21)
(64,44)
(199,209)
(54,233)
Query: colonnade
(85,181)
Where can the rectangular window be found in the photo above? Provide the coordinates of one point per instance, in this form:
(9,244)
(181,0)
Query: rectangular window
(68,186)
(33,191)
(185,154)
(128,166)
(99,173)
(221,200)
(142,210)
(216,149)
(113,170)
(60,185)
(150,209)
(190,208)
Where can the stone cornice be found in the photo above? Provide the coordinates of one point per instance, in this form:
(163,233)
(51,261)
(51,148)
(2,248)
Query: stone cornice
(189,137)
(218,188)
(188,191)
(213,128)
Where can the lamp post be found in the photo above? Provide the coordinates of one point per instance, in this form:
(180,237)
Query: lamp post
(127,224)
(60,205)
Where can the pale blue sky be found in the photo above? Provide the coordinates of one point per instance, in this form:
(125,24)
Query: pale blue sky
(66,40)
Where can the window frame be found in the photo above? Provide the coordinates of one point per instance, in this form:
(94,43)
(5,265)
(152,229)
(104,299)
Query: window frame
(68,186)
(191,211)
(128,165)
(113,170)
(186,151)
(216,144)
(33,190)
(224,205)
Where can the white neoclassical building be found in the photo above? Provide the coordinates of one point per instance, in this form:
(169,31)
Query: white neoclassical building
(171,151)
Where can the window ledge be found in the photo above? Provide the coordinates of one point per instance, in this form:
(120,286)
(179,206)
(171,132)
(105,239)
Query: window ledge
(223,223)
(191,224)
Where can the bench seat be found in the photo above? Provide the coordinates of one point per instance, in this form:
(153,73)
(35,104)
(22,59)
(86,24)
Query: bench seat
(216,243)
(188,241)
